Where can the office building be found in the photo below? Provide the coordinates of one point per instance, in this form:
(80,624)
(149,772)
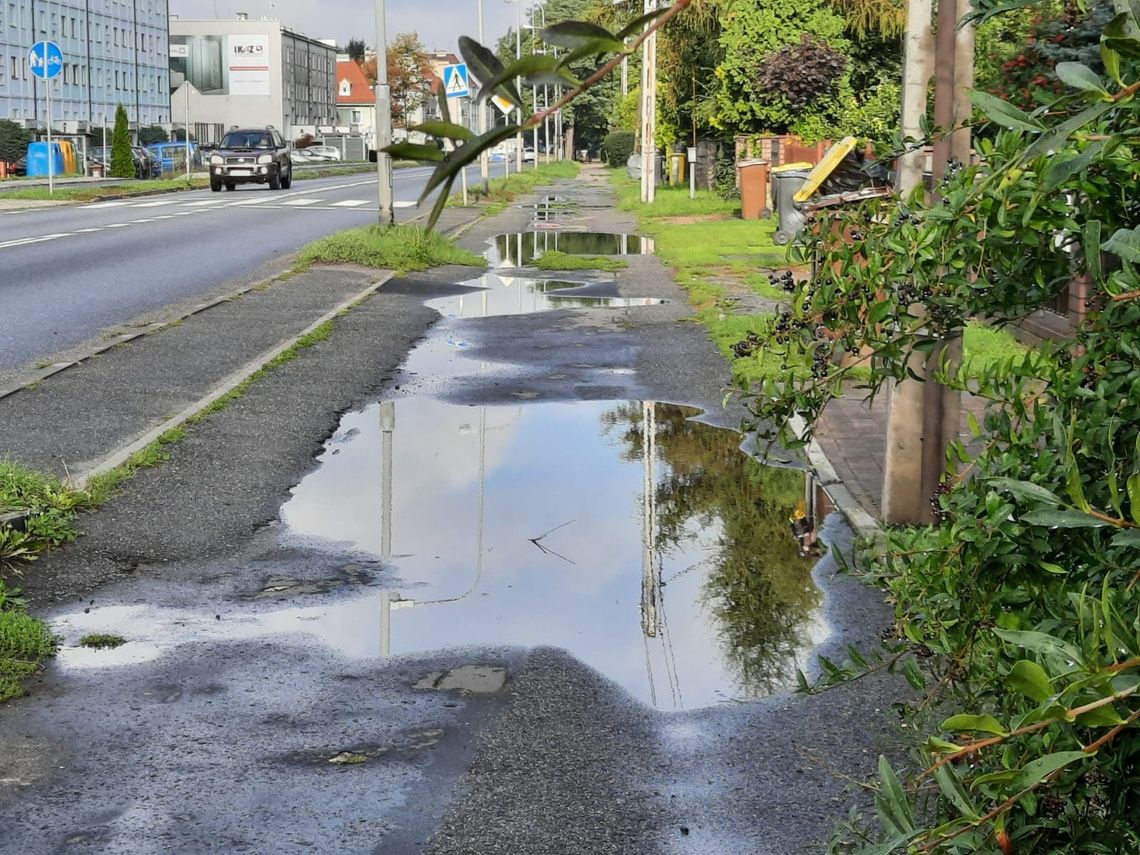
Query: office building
(115,52)
(251,73)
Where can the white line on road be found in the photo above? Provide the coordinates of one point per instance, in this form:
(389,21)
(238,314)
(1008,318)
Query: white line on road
(105,205)
(117,226)
(204,202)
(26,241)
(88,231)
(349,203)
(403,204)
(145,220)
(159,203)
(300,201)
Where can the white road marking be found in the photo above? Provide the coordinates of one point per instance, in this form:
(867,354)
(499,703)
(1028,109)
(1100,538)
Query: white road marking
(144,220)
(349,203)
(88,231)
(205,202)
(255,201)
(95,205)
(165,217)
(25,241)
(300,201)
(403,204)
(117,226)
(159,203)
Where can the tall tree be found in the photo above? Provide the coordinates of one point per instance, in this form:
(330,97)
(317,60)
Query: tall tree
(409,71)
(355,50)
(122,162)
(14,140)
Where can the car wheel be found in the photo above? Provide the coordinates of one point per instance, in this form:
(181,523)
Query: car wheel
(230,185)
(275,180)
(216,185)
(287,179)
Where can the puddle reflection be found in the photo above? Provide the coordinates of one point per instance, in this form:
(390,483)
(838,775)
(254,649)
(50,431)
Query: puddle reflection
(645,544)
(522,249)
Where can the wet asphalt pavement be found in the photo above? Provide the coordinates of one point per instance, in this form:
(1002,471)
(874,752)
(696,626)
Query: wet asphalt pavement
(250,711)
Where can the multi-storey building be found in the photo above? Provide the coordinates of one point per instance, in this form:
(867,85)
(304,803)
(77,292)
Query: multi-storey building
(115,52)
(251,73)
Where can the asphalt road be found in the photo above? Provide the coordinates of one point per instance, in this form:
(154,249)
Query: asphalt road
(72,273)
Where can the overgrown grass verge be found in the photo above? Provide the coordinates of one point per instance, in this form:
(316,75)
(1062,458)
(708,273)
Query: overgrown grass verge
(24,643)
(50,506)
(557,260)
(401,248)
(505,190)
(91,192)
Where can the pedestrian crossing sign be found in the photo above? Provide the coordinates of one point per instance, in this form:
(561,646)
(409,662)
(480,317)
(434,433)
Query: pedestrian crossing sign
(455,81)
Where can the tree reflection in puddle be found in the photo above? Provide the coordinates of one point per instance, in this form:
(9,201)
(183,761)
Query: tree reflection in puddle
(524,248)
(666,565)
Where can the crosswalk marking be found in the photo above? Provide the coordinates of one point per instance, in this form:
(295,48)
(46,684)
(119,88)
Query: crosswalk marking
(300,202)
(403,204)
(159,203)
(204,202)
(350,203)
(256,201)
(116,204)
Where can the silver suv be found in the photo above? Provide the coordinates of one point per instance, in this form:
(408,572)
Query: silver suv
(251,156)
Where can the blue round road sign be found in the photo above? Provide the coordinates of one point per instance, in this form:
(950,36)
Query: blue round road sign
(45,59)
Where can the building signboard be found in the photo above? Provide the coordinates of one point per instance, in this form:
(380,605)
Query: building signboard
(248,64)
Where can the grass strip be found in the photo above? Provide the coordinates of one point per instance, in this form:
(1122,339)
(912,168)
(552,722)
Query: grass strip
(24,643)
(557,260)
(503,191)
(401,248)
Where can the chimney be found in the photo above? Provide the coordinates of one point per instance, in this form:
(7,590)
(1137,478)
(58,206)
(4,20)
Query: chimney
(243,16)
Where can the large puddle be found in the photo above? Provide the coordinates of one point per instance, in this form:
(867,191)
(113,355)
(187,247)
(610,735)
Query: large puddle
(524,248)
(643,542)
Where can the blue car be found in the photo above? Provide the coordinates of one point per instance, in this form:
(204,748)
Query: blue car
(172,155)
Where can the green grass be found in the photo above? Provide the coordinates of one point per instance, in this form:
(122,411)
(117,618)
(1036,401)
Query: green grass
(557,260)
(102,641)
(24,643)
(51,507)
(671,201)
(91,192)
(984,347)
(505,190)
(401,248)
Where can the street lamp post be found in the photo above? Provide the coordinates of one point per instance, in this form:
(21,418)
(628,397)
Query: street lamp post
(383,122)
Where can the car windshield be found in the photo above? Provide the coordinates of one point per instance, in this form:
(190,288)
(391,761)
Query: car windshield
(246,139)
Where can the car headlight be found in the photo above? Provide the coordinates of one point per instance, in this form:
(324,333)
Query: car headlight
(265,158)
(217,160)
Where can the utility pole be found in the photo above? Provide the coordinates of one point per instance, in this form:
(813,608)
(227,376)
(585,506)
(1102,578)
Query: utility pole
(902,499)
(649,113)
(481,122)
(383,122)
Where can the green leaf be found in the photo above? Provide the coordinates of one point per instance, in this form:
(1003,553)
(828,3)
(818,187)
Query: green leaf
(530,67)
(891,802)
(639,23)
(413,151)
(1061,519)
(1026,490)
(455,160)
(1080,77)
(1111,60)
(1036,771)
(1003,113)
(1124,243)
(444,107)
(1040,642)
(1124,46)
(1106,716)
(972,421)
(484,66)
(444,130)
(974,724)
(1128,538)
(1132,485)
(1060,171)
(1031,680)
(440,202)
(914,675)
(954,792)
(1057,136)
(573,34)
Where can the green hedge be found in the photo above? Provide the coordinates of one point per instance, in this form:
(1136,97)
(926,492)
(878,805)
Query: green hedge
(618,146)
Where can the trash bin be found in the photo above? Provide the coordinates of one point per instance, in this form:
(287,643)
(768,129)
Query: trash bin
(753,188)
(786,182)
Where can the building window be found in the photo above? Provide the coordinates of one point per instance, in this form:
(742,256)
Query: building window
(357,117)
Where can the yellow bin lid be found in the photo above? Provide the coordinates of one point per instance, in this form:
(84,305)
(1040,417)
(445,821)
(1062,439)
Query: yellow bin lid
(825,167)
(800,164)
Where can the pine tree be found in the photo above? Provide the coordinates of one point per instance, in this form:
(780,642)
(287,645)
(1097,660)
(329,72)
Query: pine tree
(122,161)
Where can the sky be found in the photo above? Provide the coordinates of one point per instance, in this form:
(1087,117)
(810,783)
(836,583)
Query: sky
(439,23)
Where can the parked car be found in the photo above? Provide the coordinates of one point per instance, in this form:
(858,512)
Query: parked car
(172,154)
(324,152)
(251,156)
(147,164)
(529,155)
(303,155)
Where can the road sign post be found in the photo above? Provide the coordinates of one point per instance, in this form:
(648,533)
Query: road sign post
(456,84)
(46,61)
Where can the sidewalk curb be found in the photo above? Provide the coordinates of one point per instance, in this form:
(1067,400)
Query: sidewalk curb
(121,455)
(863,523)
